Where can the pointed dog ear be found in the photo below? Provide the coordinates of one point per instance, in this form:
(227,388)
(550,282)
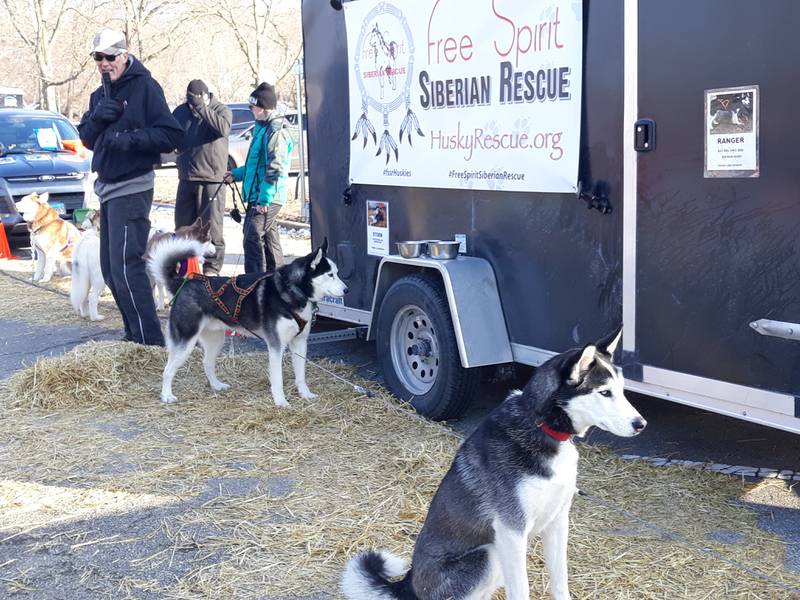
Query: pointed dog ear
(42,198)
(324,246)
(317,258)
(609,343)
(581,366)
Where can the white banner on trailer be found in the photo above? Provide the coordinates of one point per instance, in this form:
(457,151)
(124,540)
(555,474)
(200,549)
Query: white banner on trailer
(465,94)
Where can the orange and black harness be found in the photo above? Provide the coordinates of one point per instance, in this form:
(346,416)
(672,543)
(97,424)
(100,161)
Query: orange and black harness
(236,296)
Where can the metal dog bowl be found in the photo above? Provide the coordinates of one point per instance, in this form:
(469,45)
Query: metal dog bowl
(410,249)
(425,244)
(443,250)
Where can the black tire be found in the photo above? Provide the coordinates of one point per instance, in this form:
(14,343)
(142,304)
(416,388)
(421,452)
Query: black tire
(418,352)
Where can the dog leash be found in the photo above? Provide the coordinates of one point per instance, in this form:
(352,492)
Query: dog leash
(237,216)
(213,197)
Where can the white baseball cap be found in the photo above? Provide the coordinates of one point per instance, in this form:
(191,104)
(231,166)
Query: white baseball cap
(109,41)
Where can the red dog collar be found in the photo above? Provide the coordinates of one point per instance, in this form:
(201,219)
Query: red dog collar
(559,436)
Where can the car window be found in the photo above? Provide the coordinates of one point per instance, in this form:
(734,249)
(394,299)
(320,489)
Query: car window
(241,116)
(19,132)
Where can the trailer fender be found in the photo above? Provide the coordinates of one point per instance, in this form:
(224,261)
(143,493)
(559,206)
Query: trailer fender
(473,298)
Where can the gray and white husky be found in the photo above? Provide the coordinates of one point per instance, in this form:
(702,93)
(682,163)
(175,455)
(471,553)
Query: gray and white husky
(513,477)
(274,307)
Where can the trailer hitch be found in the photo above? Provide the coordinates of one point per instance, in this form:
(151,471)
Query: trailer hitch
(598,198)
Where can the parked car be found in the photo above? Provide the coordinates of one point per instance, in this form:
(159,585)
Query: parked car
(242,120)
(41,151)
(239,144)
(240,135)
(242,117)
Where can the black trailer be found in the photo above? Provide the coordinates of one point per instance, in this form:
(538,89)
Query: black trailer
(704,271)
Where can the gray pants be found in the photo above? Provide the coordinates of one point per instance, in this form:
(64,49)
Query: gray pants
(206,200)
(124,226)
(262,241)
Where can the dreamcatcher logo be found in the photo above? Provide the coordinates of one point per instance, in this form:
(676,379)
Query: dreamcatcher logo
(384,67)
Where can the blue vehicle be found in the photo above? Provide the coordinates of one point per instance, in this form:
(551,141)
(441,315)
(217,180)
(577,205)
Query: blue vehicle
(40,151)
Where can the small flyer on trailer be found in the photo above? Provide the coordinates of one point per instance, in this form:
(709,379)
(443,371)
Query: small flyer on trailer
(377,228)
(731,121)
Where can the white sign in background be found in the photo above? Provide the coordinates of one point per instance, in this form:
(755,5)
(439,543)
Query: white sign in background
(465,94)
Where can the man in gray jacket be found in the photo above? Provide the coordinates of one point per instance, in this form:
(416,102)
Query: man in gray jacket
(202,161)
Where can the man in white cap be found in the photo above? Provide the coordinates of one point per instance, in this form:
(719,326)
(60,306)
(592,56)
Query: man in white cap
(128,126)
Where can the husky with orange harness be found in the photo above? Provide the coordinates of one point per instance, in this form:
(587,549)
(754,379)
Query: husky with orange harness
(275,307)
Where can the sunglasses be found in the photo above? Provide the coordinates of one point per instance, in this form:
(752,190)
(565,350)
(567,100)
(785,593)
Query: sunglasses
(98,56)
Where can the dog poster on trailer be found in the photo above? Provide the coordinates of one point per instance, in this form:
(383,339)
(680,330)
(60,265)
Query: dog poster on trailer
(377,228)
(465,94)
(731,120)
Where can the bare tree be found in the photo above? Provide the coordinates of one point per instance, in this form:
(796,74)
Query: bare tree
(267,36)
(37,23)
(153,26)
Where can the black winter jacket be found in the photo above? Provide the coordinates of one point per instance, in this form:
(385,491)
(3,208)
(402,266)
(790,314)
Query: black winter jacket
(203,153)
(145,112)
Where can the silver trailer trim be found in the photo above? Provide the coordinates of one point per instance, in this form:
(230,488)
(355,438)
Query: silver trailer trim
(754,405)
(344,313)
(629,181)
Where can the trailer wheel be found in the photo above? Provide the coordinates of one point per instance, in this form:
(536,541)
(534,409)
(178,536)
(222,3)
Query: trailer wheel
(418,352)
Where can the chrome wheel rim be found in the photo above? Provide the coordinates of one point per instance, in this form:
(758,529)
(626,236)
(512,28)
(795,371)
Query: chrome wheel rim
(414,349)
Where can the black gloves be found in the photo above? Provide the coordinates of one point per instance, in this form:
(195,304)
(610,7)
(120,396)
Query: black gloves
(107,111)
(195,101)
(123,141)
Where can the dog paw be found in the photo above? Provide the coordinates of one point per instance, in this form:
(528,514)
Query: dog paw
(168,398)
(307,394)
(97,318)
(281,402)
(219,386)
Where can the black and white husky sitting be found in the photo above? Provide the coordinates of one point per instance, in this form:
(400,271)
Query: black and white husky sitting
(513,477)
(274,307)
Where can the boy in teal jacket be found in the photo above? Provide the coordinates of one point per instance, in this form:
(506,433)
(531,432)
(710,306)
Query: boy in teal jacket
(264,174)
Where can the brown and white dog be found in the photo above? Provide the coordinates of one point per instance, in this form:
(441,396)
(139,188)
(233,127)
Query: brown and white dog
(198,231)
(87,277)
(52,238)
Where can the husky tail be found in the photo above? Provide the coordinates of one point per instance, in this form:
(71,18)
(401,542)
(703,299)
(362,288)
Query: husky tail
(366,577)
(166,256)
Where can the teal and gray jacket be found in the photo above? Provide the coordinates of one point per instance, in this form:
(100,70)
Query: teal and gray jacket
(266,168)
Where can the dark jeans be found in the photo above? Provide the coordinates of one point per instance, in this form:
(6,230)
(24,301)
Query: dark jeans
(124,226)
(262,242)
(192,201)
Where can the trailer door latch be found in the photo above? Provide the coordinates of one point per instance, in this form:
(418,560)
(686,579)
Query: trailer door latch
(644,135)
(781,329)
